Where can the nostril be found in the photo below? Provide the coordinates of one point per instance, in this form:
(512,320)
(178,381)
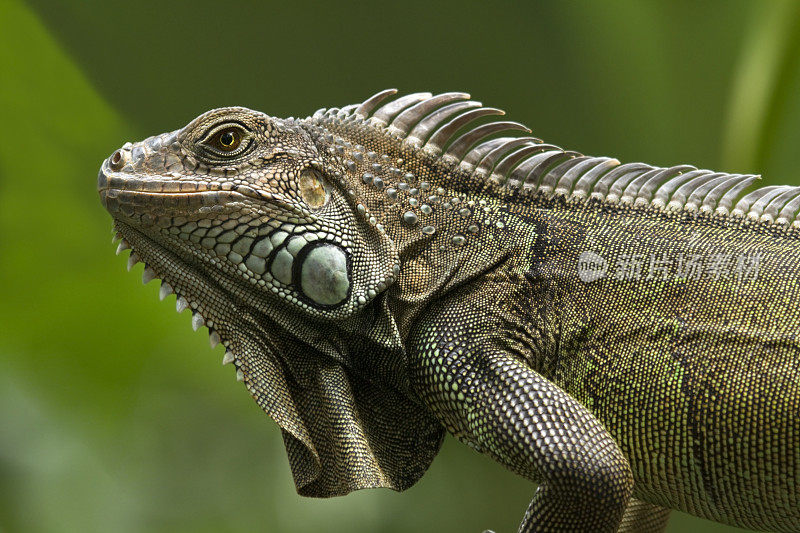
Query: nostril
(117,160)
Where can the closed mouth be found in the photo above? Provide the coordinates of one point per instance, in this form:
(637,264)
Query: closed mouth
(111,182)
(117,189)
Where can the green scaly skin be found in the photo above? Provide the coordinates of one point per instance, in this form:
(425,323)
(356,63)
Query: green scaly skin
(376,282)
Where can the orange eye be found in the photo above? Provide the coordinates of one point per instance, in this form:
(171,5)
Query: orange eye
(227,140)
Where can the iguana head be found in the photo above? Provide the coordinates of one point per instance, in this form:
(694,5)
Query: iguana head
(253,203)
(313,216)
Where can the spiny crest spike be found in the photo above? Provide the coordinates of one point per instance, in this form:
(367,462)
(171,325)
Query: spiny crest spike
(369,105)
(441,127)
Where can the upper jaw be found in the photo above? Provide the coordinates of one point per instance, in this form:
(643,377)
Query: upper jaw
(152,166)
(131,196)
(118,181)
(128,182)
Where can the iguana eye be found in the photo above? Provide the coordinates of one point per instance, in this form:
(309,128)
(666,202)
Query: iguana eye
(312,189)
(227,140)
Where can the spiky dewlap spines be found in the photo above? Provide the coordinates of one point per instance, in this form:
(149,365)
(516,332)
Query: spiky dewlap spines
(181,303)
(445,129)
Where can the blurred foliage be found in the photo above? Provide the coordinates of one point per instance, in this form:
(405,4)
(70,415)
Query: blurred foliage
(115,417)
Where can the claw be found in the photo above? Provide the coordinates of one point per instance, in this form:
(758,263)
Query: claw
(122,246)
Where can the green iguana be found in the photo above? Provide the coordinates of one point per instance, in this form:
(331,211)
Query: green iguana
(625,336)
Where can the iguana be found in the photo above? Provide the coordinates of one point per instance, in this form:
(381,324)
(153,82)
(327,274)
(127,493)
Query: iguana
(623,335)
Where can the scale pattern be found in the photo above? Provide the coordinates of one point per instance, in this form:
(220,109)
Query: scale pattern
(623,335)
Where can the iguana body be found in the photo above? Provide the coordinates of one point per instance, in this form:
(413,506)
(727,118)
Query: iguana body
(623,335)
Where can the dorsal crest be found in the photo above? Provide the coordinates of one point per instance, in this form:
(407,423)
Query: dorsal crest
(447,127)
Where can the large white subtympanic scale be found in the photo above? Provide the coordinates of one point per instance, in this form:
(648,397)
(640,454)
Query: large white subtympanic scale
(323,275)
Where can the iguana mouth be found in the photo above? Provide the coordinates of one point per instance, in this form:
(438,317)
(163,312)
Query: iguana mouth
(139,202)
(121,192)
(115,184)
(317,268)
(116,191)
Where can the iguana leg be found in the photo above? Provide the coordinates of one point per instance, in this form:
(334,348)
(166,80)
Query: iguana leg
(643,517)
(495,403)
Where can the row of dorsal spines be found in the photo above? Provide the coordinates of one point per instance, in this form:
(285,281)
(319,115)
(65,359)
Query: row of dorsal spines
(447,127)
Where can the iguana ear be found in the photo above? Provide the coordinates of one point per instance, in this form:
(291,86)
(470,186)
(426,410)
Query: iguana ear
(353,246)
(311,243)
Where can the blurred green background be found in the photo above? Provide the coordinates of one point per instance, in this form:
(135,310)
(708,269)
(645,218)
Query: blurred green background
(114,416)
